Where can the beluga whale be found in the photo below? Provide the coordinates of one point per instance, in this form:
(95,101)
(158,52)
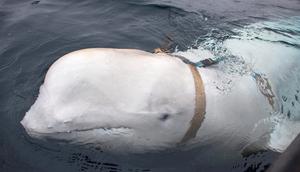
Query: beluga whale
(120,99)
(129,100)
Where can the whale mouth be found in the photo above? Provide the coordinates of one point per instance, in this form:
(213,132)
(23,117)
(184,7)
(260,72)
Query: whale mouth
(103,130)
(107,129)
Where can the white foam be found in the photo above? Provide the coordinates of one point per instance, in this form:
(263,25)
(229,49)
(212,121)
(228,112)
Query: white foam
(284,132)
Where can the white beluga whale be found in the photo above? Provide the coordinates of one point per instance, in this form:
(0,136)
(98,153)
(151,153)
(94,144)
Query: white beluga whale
(118,98)
(126,100)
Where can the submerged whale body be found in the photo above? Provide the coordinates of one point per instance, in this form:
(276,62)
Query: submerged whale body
(133,101)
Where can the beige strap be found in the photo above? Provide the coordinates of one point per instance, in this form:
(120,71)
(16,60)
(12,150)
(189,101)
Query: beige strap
(200,102)
(200,106)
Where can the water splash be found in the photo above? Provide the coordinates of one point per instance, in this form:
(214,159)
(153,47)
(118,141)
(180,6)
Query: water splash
(282,32)
(271,48)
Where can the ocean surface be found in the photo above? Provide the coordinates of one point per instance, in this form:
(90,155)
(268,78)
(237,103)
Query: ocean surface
(33,34)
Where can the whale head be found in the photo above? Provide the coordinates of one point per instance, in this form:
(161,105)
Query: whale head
(90,101)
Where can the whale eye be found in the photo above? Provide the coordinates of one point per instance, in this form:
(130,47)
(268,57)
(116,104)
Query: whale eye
(164,117)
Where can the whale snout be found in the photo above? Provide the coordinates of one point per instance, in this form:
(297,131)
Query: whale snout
(35,127)
(30,127)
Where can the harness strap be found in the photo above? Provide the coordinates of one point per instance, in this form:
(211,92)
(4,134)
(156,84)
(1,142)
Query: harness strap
(200,106)
(201,63)
(200,100)
(265,88)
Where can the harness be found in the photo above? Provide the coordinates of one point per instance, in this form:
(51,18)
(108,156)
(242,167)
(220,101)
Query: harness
(202,63)
(200,106)
(265,88)
(200,100)
(262,82)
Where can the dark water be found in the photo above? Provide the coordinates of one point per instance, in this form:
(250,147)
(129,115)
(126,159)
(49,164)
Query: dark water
(33,34)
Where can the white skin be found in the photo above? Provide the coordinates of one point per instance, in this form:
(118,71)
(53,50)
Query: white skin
(120,99)
(134,101)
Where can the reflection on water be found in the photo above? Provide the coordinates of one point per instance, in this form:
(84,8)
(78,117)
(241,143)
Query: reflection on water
(33,34)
